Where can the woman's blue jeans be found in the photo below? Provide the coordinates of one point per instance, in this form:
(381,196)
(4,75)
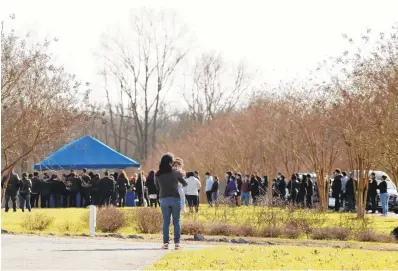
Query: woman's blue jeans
(171,207)
(384,202)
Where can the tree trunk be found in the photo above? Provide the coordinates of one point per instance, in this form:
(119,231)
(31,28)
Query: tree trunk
(6,182)
(323,189)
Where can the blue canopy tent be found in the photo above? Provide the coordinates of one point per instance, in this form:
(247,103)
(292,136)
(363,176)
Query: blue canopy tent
(86,152)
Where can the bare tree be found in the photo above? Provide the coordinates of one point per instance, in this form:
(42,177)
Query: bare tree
(144,68)
(217,87)
(40,102)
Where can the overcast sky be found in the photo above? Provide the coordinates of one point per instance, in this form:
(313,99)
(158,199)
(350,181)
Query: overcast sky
(282,39)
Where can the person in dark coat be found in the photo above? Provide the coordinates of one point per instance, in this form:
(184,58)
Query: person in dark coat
(372,193)
(73,187)
(45,193)
(264,185)
(107,187)
(309,190)
(254,188)
(11,190)
(282,187)
(231,190)
(336,189)
(36,182)
(95,190)
(24,192)
(58,191)
(293,187)
(260,184)
(85,189)
(215,190)
(302,191)
(350,193)
(122,185)
(152,190)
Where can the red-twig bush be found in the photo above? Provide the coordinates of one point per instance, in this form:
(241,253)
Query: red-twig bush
(110,219)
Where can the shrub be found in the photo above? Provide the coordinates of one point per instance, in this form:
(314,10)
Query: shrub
(292,233)
(339,233)
(395,233)
(68,226)
(148,220)
(218,228)
(110,219)
(292,230)
(242,230)
(37,221)
(270,231)
(192,227)
(371,236)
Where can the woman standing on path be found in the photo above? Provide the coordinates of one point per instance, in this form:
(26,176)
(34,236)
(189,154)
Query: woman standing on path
(167,180)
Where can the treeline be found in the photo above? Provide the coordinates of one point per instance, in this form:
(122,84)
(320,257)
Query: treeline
(350,121)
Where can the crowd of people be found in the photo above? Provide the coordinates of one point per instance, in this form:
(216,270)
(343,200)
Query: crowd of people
(300,190)
(240,189)
(110,189)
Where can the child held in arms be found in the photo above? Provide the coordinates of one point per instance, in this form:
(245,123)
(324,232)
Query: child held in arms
(178,164)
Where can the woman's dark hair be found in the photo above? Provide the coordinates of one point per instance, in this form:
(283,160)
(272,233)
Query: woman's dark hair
(165,164)
(151,175)
(24,175)
(190,174)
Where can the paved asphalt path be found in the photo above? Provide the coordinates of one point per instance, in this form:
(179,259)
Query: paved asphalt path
(20,252)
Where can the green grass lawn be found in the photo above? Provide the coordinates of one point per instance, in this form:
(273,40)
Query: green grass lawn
(277,258)
(64,218)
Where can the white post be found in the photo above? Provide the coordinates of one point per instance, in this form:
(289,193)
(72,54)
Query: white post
(93,220)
